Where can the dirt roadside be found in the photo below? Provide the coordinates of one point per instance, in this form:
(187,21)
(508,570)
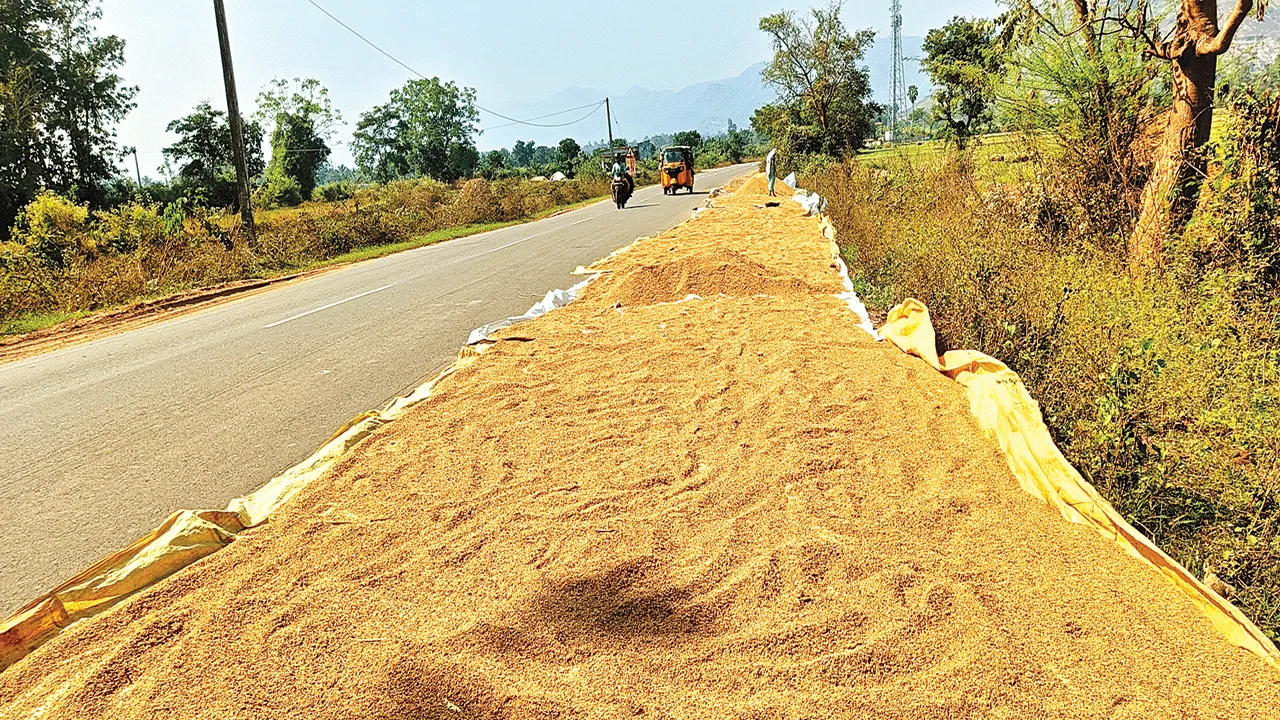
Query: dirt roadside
(700,491)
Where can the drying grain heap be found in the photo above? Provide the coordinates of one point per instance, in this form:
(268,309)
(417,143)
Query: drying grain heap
(650,504)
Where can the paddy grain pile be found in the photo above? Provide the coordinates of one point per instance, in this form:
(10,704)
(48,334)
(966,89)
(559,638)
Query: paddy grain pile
(646,504)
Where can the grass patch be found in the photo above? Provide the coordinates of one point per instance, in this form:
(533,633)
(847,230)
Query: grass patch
(999,158)
(38,321)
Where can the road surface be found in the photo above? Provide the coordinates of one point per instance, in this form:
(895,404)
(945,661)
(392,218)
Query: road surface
(101,441)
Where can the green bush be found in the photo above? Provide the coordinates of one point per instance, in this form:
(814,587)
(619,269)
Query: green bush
(128,228)
(335,192)
(54,229)
(280,190)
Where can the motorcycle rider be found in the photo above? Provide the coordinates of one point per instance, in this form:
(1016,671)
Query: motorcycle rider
(620,173)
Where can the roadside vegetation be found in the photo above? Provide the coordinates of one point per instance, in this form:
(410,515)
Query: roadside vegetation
(1061,208)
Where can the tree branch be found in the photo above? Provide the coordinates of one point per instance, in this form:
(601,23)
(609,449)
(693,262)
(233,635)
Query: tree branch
(1218,44)
(1157,48)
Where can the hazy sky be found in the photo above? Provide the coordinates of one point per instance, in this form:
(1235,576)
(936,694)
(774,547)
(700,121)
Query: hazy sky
(506,49)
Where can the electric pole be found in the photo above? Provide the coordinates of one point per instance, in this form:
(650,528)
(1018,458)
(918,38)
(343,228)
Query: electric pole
(136,167)
(608,118)
(233,115)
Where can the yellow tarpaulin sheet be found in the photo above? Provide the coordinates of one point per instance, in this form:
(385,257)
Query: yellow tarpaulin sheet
(1005,411)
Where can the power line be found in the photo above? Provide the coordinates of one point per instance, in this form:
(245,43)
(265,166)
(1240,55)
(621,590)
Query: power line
(367,41)
(401,63)
(594,109)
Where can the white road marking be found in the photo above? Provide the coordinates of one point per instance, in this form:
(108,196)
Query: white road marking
(326,307)
(579,222)
(504,247)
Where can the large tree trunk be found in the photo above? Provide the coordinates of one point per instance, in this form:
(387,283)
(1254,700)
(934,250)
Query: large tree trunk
(1169,196)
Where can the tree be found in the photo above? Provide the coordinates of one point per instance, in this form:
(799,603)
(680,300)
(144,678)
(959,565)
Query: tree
(427,129)
(570,149)
(913,93)
(206,168)
(60,99)
(815,69)
(1087,87)
(329,173)
(300,97)
(297,152)
(522,153)
(735,143)
(304,119)
(963,59)
(544,156)
(1192,48)
(690,138)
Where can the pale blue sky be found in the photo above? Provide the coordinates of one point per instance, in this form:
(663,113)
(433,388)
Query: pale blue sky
(506,49)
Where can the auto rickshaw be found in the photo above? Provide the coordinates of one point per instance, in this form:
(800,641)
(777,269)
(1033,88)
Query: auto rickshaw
(677,169)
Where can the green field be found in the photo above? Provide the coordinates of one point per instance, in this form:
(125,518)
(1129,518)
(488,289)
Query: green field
(998,158)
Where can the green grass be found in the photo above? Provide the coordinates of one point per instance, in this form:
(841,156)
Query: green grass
(999,158)
(24,324)
(37,321)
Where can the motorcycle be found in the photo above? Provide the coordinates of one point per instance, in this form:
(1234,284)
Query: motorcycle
(622,189)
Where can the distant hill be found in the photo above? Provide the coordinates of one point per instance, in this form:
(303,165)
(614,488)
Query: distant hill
(1260,41)
(706,107)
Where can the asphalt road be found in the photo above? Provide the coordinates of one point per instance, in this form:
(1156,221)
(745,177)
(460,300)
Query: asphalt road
(100,442)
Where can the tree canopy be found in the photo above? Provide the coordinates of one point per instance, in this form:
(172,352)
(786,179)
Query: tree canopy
(570,149)
(690,138)
(303,118)
(427,129)
(60,98)
(202,153)
(823,91)
(963,58)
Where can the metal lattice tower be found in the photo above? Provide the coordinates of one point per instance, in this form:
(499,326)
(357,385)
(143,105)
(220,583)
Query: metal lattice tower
(898,94)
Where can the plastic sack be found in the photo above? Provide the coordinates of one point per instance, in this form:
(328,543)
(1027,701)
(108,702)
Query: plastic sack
(552,300)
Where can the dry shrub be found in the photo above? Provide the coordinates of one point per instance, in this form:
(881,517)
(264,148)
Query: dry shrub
(1165,395)
(67,259)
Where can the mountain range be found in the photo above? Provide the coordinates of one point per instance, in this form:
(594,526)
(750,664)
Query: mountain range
(640,112)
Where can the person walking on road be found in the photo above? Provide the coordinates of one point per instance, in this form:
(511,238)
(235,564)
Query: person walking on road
(771,169)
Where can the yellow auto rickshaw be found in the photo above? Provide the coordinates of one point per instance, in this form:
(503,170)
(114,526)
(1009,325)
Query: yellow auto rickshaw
(677,169)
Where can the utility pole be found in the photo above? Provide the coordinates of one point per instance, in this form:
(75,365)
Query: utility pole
(608,118)
(136,167)
(233,115)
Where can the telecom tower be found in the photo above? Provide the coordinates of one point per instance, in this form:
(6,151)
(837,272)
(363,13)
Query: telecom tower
(898,93)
